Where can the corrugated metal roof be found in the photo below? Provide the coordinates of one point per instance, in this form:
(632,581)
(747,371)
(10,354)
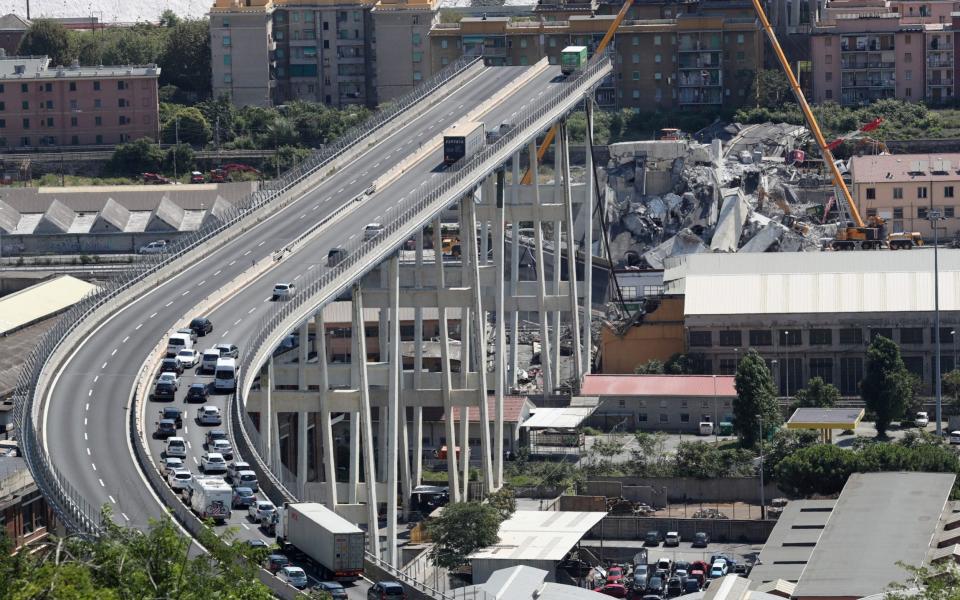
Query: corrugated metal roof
(826,416)
(536,535)
(512,409)
(40,301)
(658,385)
(567,417)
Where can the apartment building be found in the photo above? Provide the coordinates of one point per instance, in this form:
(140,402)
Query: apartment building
(241,51)
(866,50)
(904,188)
(689,60)
(75,105)
(403,46)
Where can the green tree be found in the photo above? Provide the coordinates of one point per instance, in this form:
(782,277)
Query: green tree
(886,388)
(46,37)
(784,443)
(772,88)
(756,399)
(182,157)
(651,367)
(168,18)
(185,59)
(951,386)
(135,158)
(460,530)
(651,458)
(817,394)
(821,469)
(188,125)
(697,459)
(504,500)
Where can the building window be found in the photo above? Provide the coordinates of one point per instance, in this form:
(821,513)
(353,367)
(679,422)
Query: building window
(25,104)
(523,42)
(908,74)
(851,336)
(921,192)
(226,39)
(642,417)
(948,191)
(416,40)
(73,121)
(871,193)
(99,139)
(739,38)
(73,86)
(911,335)
(851,372)
(684,417)
(96,86)
(728,366)
(96,103)
(123,120)
(227,60)
(828,75)
(664,418)
(761,337)
(907,57)
(657,76)
(121,85)
(417,57)
(948,212)
(828,59)
(23,89)
(417,75)
(828,94)
(945,336)
(98,121)
(730,338)
(898,193)
(74,140)
(657,40)
(790,337)
(443,43)
(822,368)
(636,59)
(228,78)
(701,338)
(886,332)
(636,75)
(821,337)
(657,58)
(635,94)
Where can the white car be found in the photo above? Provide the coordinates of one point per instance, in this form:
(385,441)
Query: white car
(188,358)
(294,576)
(284,291)
(921,419)
(156,247)
(672,539)
(222,447)
(234,468)
(213,462)
(209,415)
(171,464)
(227,350)
(372,230)
(171,378)
(246,478)
(180,479)
(260,510)
(176,447)
(955,437)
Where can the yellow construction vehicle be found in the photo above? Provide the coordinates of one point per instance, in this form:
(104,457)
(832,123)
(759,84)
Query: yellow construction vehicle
(853,234)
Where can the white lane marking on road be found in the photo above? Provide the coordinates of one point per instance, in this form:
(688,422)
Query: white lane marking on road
(224,334)
(139,326)
(114,353)
(232,263)
(186,430)
(94,465)
(250,312)
(103,367)
(340,191)
(261,243)
(101,483)
(89,393)
(153,315)
(237,322)
(303,215)
(124,515)
(353,182)
(189,446)
(217,273)
(245,526)
(125,340)
(267,299)
(195,461)
(168,304)
(310,267)
(111,498)
(87,407)
(364,174)
(88,449)
(353,236)
(96,378)
(297,277)
(185,293)
(201,283)
(315,207)
(84,421)
(247,252)
(376,165)
(389,208)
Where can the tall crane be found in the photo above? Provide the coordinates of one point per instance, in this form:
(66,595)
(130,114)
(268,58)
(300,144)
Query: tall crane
(604,42)
(857,234)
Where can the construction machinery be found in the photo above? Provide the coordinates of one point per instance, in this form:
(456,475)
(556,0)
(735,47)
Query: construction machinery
(853,233)
(225,172)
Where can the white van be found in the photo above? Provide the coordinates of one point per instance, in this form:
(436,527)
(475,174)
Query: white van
(208,363)
(176,447)
(706,428)
(178,342)
(225,375)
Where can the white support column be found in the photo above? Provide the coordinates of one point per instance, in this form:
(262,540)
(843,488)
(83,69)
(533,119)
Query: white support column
(564,149)
(329,450)
(266,416)
(302,446)
(514,269)
(302,354)
(354,420)
(545,356)
(480,346)
(467,256)
(366,434)
(393,409)
(417,467)
(501,331)
(445,378)
(555,319)
(587,335)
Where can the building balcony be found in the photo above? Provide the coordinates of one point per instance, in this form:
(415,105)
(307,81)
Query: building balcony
(940,63)
(700,46)
(697,81)
(869,83)
(864,65)
(939,83)
(700,96)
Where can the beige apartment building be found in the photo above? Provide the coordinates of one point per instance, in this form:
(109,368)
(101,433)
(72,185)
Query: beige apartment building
(903,189)
(402,45)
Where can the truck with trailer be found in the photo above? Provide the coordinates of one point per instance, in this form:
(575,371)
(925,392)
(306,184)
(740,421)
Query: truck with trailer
(211,498)
(572,58)
(332,543)
(462,140)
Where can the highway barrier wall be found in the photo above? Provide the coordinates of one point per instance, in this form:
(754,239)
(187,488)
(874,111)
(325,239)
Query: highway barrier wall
(614,527)
(682,489)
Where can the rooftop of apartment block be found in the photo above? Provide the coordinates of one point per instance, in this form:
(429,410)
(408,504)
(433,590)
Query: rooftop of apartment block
(38,67)
(591,24)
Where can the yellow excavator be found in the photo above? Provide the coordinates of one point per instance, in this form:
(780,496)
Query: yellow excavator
(853,234)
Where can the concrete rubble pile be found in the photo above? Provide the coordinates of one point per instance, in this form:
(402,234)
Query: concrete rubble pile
(749,194)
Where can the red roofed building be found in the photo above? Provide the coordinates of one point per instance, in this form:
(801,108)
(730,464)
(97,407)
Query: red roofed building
(660,402)
(516,409)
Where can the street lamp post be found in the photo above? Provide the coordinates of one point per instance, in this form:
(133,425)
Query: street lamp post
(786,352)
(934,215)
(774,363)
(763,503)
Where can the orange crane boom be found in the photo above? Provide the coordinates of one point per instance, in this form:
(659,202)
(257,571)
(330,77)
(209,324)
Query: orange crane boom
(604,42)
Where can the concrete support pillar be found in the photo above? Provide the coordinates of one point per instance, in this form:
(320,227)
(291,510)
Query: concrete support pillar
(500,333)
(514,269)
(302,446)
(468,256)
(366,434)
(326,428)
(393,409)
(587,335)
(545,355)
(558,186)
(266,417)
(564,149)
(302,355)
(445,378)
(480,347)
(417,467)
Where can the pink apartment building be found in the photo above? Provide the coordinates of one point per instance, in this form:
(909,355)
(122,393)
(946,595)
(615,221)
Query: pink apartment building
(47,106)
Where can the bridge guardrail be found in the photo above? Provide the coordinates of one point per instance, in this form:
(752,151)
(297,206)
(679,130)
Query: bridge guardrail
(358,250)
(69,505)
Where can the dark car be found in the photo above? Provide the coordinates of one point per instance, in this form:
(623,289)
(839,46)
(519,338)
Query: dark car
(172,413)
(275,562)
(674,587)
(655,586)
(165,429)
(681,565)
(257,543)
(216,434)
(197,392)
(333,588)
(690,586)
(201,326)
(640,574)
(700,539)
(243,497)
(653,538)
(386,590)
(171,365)
(164,391)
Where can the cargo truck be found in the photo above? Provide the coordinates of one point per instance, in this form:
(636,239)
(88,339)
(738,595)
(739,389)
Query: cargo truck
(211,498)
(572,58)
(462,140)
(333,543)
